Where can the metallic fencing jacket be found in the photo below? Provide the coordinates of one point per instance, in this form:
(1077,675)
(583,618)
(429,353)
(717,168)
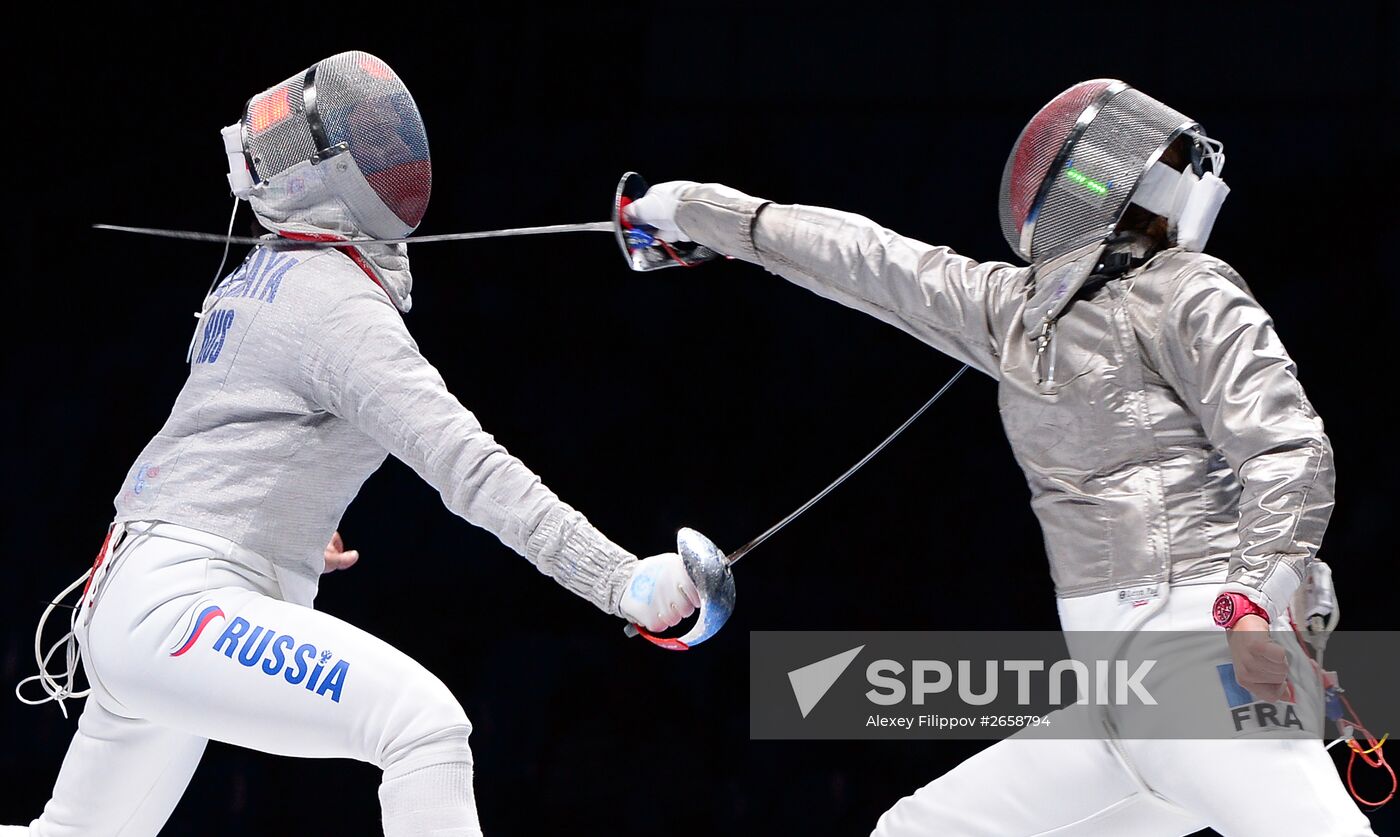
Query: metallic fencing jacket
(1156,415)
(303,379)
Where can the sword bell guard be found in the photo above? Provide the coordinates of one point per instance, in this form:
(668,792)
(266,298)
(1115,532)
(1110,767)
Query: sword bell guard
(707,567)
(640,246)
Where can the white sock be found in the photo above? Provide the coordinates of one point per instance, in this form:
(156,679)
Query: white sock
(435,800)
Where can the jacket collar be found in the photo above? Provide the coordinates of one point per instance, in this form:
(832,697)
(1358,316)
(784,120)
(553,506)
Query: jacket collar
(1056,281)
(386,264)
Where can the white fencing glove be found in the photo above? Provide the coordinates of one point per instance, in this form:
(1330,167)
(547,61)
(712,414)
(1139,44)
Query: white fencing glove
(1315,605)
(660,593)
(657,208)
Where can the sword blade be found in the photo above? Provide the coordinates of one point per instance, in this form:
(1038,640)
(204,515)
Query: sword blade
(190,235)
(733,557)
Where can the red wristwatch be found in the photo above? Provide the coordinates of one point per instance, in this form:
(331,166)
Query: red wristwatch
(1230,608)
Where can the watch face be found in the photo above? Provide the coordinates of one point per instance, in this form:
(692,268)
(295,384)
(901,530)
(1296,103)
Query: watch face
(1224,609)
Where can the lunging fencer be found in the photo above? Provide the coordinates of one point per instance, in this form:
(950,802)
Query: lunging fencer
(197,622)
(1170,450)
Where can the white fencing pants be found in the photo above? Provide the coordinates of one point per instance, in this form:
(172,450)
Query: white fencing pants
(189,640)
(1148,787)
(1018,788)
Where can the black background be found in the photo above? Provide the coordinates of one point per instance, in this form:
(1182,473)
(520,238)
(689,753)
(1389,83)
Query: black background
(717,398)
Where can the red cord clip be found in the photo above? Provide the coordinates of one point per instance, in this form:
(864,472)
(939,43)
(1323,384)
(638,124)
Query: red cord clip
(1373,747)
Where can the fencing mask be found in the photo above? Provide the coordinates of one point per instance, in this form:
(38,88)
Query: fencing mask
(1075,169)
(1088,154)
(338,148)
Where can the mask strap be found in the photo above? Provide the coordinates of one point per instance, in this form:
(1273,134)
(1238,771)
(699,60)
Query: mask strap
(1197,217)
(240,180)
(1211,150)
(1190,202)
(1158,190)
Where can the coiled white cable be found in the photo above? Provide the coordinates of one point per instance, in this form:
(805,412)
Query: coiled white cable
(57,687)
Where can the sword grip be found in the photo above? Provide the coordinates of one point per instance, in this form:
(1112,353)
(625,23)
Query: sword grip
(668,643)
(705,564)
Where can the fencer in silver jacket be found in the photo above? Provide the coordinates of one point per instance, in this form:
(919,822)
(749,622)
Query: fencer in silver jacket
(1172,456)
(1156,414)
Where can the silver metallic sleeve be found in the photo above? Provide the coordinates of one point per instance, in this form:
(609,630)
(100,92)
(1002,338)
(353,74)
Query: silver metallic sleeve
(569,549)
(946,300)
(365,368)
(1221,354)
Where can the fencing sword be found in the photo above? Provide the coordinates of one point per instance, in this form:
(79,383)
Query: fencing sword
(640,246)
(708,566)
(283,243)
(711,569)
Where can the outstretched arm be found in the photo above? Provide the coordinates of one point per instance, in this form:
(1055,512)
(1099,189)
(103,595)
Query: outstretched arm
(362,365)
(950,302)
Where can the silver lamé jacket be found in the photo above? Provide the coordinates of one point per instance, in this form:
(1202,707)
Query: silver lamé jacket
(1157,416)
(303,379)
